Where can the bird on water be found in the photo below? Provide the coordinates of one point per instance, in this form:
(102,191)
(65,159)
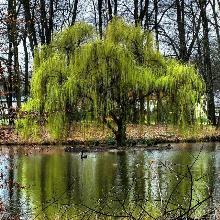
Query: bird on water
(82,155)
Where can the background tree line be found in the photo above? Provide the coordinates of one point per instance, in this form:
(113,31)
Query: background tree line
(185,29)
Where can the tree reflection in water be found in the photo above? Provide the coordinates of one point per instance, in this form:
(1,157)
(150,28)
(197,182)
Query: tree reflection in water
(132,185)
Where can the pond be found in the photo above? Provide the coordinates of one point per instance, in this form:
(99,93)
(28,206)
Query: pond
(49,183)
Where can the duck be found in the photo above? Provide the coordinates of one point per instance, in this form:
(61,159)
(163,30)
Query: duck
(168,146)
(82,156)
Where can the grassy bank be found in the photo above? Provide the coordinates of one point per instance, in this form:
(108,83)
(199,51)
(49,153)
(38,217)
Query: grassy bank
(97,135)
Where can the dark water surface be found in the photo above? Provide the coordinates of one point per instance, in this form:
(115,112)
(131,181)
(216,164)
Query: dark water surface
(137,184)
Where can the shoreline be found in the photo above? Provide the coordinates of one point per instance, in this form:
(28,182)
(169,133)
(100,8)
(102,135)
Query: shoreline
(77,146)
(147,137)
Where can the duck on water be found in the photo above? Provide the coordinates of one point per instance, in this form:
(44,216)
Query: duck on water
(82,155)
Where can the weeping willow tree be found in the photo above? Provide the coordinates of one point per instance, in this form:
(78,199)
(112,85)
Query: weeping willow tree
(100,80)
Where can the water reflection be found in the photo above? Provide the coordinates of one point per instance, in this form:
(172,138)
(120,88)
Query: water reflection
(57,185)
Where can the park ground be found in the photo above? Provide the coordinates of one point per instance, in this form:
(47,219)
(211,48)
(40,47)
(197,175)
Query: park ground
(98,135)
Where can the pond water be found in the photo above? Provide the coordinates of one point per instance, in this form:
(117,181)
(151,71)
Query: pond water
(136,184)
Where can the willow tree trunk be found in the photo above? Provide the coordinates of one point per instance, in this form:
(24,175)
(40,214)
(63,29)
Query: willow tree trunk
(135,109)
(159,108)
(120,134)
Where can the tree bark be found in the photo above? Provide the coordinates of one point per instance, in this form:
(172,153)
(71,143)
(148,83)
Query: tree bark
(215,16)
(115,7)
(74,12)
(159,108)
(50,22)
(14,38)
(29,21)
(17,77)
(110,10)
(100,17)
(180,12)
(142,107)
(148,110)
(207,63)
(14,79)
(120,134)
(43,22)
(156,23)
(10,54)
(136,16)
(26,60)
(144,12)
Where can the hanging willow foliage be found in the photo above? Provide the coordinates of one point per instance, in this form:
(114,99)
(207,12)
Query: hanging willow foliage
(79,77)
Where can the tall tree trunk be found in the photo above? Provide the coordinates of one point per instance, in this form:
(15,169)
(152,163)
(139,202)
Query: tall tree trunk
(156,22)
(17,84)
(147,22)
(148,110)
(115,7)
(29,21)
(9,67)
(43,21)
(215,16)
(10,52)
(135,109)
(26,60)
(95,15)
(50,22)
(159,108)
(110,10)
(142,106)
(180,12)
(100,17)
(136,16)
(75,7)
(10,29)
(120,134)
(207,63)
(14,38)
